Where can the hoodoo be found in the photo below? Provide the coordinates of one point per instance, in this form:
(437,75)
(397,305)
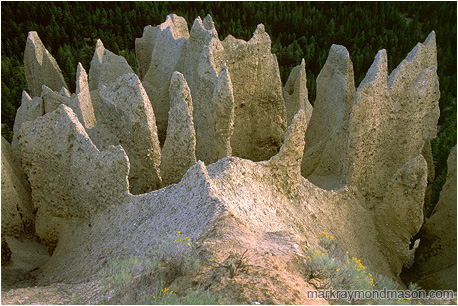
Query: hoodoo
(198,143)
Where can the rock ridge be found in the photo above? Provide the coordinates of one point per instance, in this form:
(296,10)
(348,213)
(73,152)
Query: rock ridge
(230,173)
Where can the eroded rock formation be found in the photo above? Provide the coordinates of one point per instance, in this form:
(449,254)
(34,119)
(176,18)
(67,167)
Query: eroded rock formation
(29,110)
(360,152)
(40,67)
(259,122)
(127,118)
(70,178)
(17,207)
(179,151)
(83,101)
(334,94)
(112,67)
(435,258)
(160,52)
(295,93)
(260,114)
(96,66)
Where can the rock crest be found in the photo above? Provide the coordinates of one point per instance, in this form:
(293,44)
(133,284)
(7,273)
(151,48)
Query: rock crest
(68,175)
(435,258)
(179,151)
(335,90)
(112,67)
(218,103)
(160,52)
(127,118)
(259,124)
(29,110)
(295,93)
(83,99)
(40,67)
(17,207)
(96,66)
(260,114)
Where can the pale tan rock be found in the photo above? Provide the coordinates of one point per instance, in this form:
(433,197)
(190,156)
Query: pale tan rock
(70,178)
(365,163)
(231,43)
(326,137)
(6,252)
(144,49)
(199,55)
(295,93)
(203,54)
(234,208)
(29,110)
(286,165)
(408,187)
(360,152)
(17,207)
(96,66)
(382,139)
(64,91)
(112,67)
(366,184)
(428,155)
(334,94)
(414,89)
(162,51)
(424,55)
(260,114)
(80,102)
(222,117)
(40,67)
(179,151)
(204,57)
(125,114)
(52,99)
(414,111)
(83,99)
(435,259)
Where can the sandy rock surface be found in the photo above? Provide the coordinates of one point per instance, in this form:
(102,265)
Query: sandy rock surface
(239,183)
(17,207)
(179,151)
(436,256)
(40,67)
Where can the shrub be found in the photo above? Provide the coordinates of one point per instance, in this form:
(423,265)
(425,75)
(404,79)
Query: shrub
(161,295)
(331,267)
(144,280)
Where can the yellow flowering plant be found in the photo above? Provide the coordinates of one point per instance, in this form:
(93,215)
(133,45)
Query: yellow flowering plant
(174,252)
(337,269)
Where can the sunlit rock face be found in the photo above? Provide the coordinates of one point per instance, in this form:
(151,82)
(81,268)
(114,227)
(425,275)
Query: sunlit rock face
(198,142)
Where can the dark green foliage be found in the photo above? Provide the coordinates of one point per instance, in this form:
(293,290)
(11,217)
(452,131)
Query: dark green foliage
(298,30)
